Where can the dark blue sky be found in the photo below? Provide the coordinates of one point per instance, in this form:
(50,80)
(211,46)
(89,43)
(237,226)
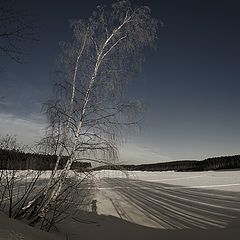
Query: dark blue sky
(190,83)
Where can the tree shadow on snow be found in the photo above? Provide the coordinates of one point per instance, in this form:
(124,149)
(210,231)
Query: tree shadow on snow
(177,207)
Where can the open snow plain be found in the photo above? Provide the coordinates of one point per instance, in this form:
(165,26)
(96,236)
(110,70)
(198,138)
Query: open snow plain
(147,205)
(171,200)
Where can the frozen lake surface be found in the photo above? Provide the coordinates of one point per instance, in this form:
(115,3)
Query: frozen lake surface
(171,200)
(142,205)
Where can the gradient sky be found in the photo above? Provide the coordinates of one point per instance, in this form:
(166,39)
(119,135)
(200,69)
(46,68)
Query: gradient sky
(190,83)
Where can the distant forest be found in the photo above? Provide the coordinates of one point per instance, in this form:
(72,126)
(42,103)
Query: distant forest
(12,159)
(216,163)
(21,161)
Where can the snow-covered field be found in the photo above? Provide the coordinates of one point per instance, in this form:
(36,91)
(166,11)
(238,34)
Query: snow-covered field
(171,200)
(149,205)
(222,180)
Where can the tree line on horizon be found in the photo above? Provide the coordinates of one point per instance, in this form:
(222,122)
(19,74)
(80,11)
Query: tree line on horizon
(214,163)
(18,160)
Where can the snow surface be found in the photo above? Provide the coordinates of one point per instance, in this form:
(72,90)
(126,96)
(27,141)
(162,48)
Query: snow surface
(149,205)
(164,199)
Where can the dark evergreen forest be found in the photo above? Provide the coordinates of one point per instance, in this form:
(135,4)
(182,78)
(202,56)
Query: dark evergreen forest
(13,159)
(216,163)
(21,161)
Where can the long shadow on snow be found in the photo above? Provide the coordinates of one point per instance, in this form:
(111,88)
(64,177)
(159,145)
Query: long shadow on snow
(178,207)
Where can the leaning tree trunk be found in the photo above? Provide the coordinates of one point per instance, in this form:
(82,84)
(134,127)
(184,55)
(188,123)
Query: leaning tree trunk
(56,190)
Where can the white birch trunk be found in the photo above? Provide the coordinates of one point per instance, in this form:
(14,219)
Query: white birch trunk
(50,182)
(100,57)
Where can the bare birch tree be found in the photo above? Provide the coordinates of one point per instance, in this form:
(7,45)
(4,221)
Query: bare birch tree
(90,115)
